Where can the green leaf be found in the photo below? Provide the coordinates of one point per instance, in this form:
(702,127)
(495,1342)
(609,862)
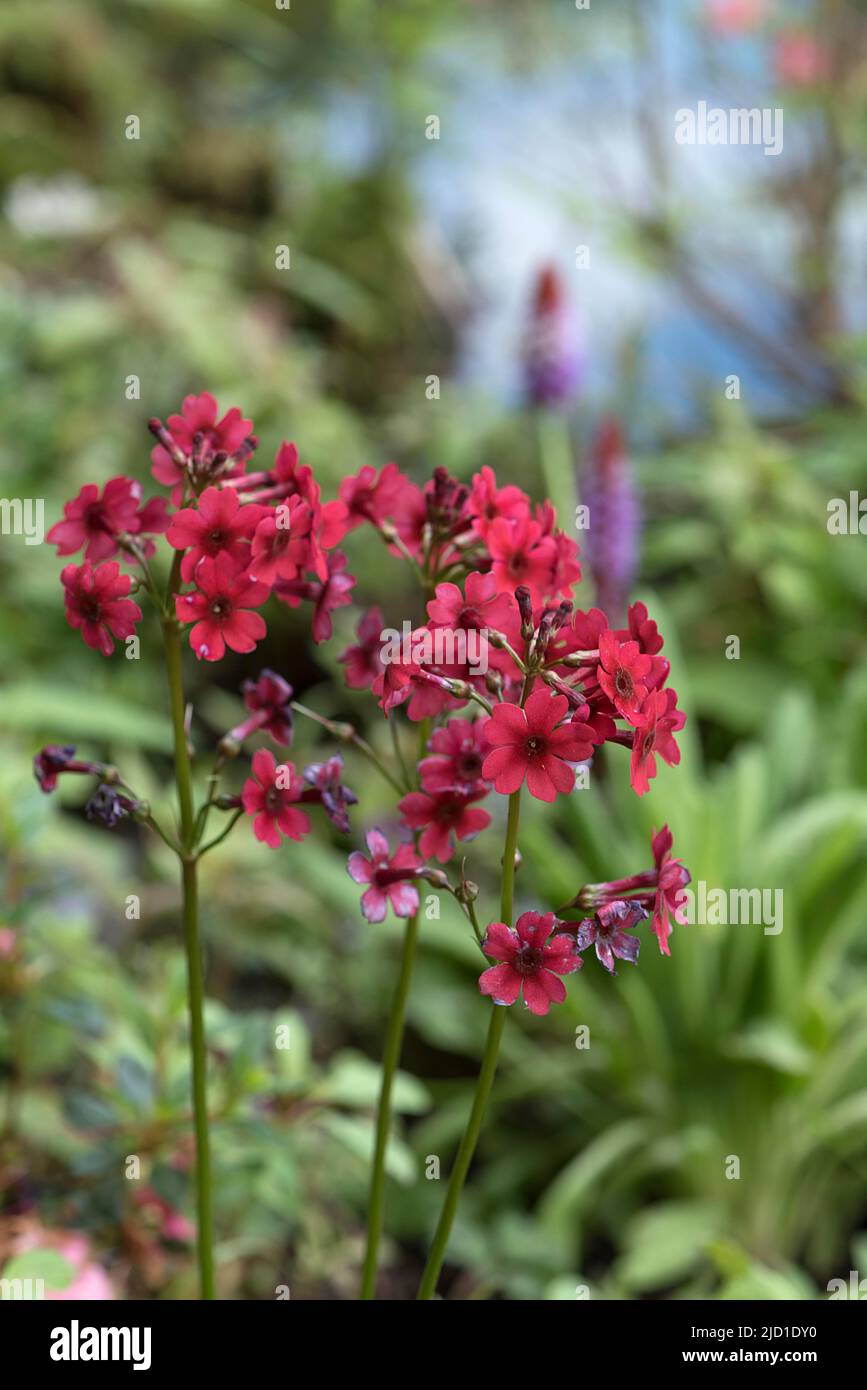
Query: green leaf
(759,1284)
(135,1082)
(774,1044)
(82,715)
(665,1244)
(47,1265)
(353,1080)
(563,1203)
(356,1135)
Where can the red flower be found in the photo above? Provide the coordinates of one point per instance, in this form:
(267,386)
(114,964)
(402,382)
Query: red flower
(362,660)
(642,630)
(527,743)
(440,813)
(488,502)
(522,555)
(673,876)
(622,673)
(482,607)
(199,418)
(97,603)
(368,497)
(393,685)
(51,761)
(529,959)
(580,635)
(566,567)
(655,726)
(281,545)
(387,877)
(457,752)
(335,592)
(96,522)
(218,526)
(219,608)
(608,931)
(268,697)
(269,795)
(328,788)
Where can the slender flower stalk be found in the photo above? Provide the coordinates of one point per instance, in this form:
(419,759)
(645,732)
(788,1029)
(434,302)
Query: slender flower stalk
(390,1059)
(487,1071)
(193,948)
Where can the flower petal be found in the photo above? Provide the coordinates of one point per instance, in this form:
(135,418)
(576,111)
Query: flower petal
(502,983)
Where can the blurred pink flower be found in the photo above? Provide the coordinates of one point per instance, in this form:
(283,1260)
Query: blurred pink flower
(735,16)
(91,1283)
(799,59)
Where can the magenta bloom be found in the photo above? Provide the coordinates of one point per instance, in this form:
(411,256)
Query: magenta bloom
(281,545)
(488,502)
(609,932)
(521,554)
(97,604)
(642,629)
(334,593)
(362,660)
(270,795)
(457,753)
(268,698)
(673,876)
(388,877)
(439,815)
(373,497)
(218,526)
(622,673)
(482,607)
(655,726)
(95,522)
(198,421)
(219,607)
(529,960)
(532,743)
(328,788)
(50,762)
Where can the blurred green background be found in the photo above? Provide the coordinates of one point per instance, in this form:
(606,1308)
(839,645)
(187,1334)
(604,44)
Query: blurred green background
(155,258)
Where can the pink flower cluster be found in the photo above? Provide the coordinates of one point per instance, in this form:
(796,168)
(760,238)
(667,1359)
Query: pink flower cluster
(240,537)
(594,684)
(556,683)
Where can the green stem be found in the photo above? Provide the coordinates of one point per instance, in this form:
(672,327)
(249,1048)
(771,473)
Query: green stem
(391,1057)
(196,998)
(509,857)
(427,1288)
(485,1081)
(347,734)
(218,839)
(398,751)
(192,943)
